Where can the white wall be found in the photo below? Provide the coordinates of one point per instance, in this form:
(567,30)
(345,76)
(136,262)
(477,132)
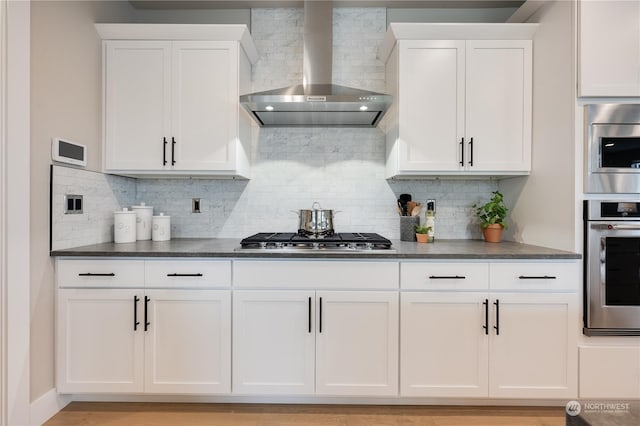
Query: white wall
(66,87)
(542,204)
(14,202)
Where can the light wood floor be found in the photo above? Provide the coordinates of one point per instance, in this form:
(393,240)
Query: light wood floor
(156,414)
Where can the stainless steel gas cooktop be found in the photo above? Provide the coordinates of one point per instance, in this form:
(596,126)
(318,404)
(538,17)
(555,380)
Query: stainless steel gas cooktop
(291,241)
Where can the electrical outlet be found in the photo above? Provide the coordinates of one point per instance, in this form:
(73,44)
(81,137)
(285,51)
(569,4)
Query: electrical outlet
(431,205)
(73,204)
(195,205)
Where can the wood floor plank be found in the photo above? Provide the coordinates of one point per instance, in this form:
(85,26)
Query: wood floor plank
(172,414)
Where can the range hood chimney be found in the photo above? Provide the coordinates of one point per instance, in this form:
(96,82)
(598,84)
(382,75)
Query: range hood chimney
(317,102)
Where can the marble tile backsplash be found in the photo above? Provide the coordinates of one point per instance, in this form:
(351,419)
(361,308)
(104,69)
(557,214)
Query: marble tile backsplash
(342,169)
(102,195)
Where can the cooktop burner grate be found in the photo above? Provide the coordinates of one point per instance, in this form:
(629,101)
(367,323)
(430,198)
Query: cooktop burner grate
(292,240)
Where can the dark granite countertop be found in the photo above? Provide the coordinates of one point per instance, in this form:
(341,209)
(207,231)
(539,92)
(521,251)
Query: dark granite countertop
(230,247)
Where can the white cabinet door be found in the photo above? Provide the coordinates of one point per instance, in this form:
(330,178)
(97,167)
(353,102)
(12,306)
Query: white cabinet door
(498,105)
(444,346)
(137,104)
(533,349)
(99,346)
(609,48)
(431,104)
(273,342)
(464,107)
(204,105)
(357,343)
(188,341)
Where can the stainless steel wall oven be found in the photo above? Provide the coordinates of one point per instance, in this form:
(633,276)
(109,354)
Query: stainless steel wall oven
(613,149)
(612,268)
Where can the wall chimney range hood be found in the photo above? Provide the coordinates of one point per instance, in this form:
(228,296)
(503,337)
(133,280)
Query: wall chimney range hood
(317,102)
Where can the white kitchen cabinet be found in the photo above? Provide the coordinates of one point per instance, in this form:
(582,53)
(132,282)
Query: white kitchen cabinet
(516,344)
(274,342)
(462,107)
(171,106)
(357,343)
(188,341)
(533,349)
(305,342)
(99,348)
(444,349)
(609,371)
(609,48)
(125,340)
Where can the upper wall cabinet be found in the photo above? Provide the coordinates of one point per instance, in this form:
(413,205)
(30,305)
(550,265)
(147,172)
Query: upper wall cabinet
(462,99)
(609,48)
(171,99)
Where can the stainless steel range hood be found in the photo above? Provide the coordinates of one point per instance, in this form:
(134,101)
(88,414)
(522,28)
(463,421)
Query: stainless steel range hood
(317,102)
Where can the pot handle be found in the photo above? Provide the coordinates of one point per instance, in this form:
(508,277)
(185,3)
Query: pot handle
(297,213)
(313,206)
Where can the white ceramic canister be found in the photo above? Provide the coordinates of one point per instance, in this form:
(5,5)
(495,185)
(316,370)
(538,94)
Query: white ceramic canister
(144,214)
(161,228)
(124,226)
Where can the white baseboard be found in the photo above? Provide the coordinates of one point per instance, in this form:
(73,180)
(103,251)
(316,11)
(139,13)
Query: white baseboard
(45,407)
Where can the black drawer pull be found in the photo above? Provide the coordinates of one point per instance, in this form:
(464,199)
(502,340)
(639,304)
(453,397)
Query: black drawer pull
(486,316)
(533,277)
(146,313)
(136,323)
(497,326)
(447,277)
(185,275)
(164,151)
(90,274)
(309,309)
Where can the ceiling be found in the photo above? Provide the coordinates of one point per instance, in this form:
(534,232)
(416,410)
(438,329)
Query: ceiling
(242,4)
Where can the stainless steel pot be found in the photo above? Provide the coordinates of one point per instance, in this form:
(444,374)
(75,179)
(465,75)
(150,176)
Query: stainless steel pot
(316,222)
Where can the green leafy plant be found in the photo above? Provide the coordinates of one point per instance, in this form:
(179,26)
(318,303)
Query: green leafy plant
(493,211)
(422,229)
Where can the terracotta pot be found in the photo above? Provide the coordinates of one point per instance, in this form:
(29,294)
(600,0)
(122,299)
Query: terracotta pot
(492,233)
(422,238)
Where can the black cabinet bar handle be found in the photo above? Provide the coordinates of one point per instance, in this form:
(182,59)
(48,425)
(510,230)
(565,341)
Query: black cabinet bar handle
(146,313)
(173,151)
(164,151)
(185,275)
(471,152)
(320,317)
(91,274)
(462,152)
(136,323)
(447,277)
(309,314)
(533,277)
(497,326)
(486,316)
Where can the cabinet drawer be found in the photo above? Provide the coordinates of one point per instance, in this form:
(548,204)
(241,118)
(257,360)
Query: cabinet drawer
(100,273)
(444,276)
(534,276)
(163,273)
(315,274)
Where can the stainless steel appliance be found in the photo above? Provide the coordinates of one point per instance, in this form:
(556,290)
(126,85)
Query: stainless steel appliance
(340,242)
(317,102)
(316,221)
(613,149)
(612,268)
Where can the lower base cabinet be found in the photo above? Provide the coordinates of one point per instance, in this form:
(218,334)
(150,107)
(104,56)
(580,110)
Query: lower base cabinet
(322,343)
(608,371)
(155,341)
(503,345)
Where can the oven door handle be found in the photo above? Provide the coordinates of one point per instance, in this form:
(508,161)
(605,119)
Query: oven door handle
(621,227)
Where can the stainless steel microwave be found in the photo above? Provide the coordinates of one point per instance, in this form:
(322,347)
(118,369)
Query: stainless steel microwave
(613,149)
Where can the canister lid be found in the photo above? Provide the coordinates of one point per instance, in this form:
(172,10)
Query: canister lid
(142,206)
(124,211)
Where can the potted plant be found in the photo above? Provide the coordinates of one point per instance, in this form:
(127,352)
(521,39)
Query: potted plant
(492,215)
(422,232)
